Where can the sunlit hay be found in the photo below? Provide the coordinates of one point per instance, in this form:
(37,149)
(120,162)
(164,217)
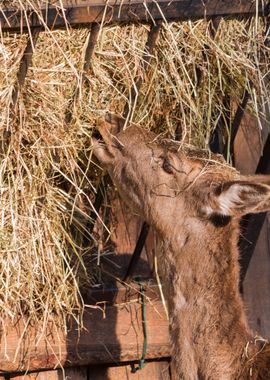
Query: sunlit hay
(198,80)
(48,180)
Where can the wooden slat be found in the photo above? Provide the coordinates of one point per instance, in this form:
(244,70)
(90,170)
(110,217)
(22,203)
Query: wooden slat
(116,338)
(148,51)
(24,65)
(79,373)
(254,243)
(253,223)
(92,40)
(151,371)
(79,12)
(120,295)
(137,253)
(257,285)
(125,228)
(248,149)
(46,375)
(212,28)
(248,144)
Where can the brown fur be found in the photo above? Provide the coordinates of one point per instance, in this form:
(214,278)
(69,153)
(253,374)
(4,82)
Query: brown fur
(193,201)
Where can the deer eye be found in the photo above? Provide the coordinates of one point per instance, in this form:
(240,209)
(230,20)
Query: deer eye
(166,166)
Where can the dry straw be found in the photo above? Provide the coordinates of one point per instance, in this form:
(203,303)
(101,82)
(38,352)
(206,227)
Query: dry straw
(47,178)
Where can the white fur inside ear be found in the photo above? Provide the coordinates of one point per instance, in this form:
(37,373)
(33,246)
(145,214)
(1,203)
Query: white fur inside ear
(230,198)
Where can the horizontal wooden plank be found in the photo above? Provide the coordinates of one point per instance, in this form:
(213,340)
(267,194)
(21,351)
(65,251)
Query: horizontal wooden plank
(46,375)
(83,12)
(76,373)
(79,373)
(159,370)
(122,294)
(112,336)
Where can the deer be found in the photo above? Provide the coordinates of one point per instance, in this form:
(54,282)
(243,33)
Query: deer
(193,200)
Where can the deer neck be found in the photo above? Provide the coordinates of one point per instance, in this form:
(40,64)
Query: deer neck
(208,325)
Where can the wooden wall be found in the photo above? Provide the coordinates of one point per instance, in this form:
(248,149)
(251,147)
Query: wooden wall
(248,150)
(159,370)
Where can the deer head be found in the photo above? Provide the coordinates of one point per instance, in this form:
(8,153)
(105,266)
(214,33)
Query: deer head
(167,182)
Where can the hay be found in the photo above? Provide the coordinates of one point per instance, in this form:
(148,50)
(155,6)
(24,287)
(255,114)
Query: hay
(47,176)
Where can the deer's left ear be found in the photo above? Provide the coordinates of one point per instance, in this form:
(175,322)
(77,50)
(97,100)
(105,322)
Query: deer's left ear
(106,150)
(237,198)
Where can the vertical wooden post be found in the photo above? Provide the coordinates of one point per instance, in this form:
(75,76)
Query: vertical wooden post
(148,51)
(24,65)
(252,224)
(92,41)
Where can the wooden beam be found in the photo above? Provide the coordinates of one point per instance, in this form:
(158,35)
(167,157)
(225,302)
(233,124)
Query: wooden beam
(25,63)
(46,375)
(146,58)
(110,336)
(120,295)
(82,12)
(76,373)
(159,370)
(248,162)
(92,41)
(252,224)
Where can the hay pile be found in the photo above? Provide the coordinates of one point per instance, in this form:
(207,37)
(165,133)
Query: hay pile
(47,177)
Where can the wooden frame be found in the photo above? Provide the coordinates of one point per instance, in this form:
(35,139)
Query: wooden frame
(111,334)
(84,12)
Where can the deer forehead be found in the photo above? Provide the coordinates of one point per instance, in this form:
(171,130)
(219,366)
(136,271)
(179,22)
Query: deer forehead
(144,151)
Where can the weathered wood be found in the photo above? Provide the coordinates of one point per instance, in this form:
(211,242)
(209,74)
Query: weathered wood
(254,223)
(257,285)
(46,375)
(79,373)
(125,229)
(249,143)
(152,370)
(212,29)
(137,252)
(83,12)
(238,116)
(254,244)
(111,339)
(92,40)
(148,51)
(120,295)
(24,64)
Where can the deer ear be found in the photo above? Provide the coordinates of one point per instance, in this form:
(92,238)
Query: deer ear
(237,198)
(101,152)
(106,150)
(116,122)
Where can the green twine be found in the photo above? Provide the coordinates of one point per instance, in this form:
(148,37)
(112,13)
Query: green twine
(142,359)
